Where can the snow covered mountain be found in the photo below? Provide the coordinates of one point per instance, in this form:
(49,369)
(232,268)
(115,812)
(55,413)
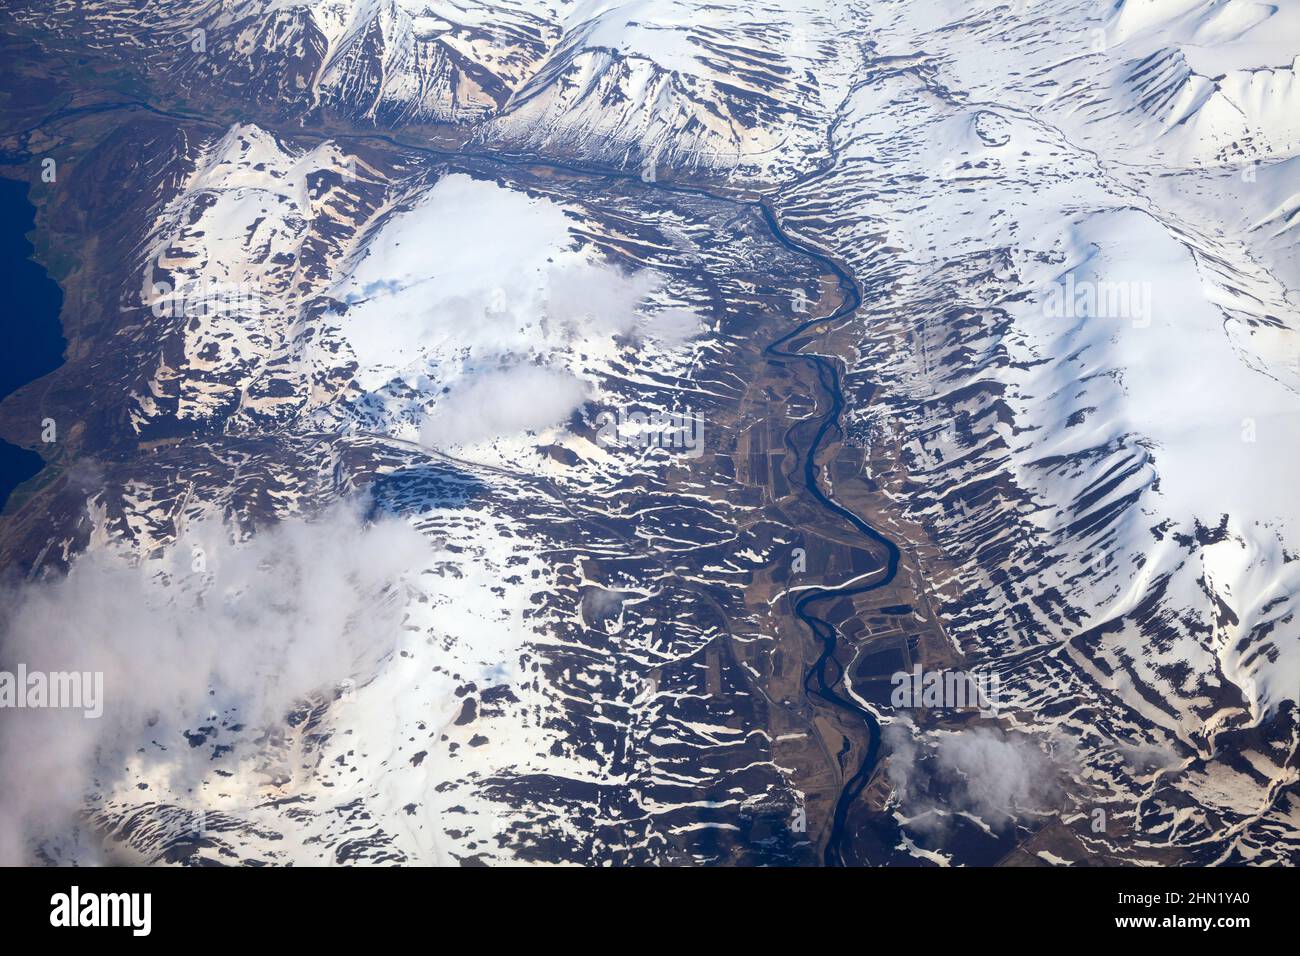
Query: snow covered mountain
(1090,368)
(413,250)
(640,83)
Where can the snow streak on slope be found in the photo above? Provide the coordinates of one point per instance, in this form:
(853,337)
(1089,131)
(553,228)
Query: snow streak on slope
(1096,388)
(426,312)
(250,236)
(664,84)
(544,699)
(1222,79)
(1074,226)
(654,83)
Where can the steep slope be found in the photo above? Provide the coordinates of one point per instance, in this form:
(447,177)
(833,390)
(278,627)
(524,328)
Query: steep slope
(1070,393)
(631,83)
(1091,396)
(553,680)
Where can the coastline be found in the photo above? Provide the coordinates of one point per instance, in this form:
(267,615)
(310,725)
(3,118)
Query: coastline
(31,335)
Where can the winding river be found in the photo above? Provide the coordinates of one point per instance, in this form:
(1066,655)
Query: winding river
(819,680)
(826,673)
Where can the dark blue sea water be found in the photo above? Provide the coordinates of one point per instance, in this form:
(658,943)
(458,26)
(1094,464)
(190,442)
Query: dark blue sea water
(31,339)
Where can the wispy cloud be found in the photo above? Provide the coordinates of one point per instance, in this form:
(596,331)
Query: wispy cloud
(983,771)
(486,297)
(502,402)
(236,634)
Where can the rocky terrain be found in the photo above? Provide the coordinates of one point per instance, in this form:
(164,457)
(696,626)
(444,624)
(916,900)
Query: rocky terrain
(538,431)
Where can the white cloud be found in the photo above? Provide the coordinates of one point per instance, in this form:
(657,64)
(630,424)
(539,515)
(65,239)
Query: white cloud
(501,402)
(477,281)
(262,626)
(995,776)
